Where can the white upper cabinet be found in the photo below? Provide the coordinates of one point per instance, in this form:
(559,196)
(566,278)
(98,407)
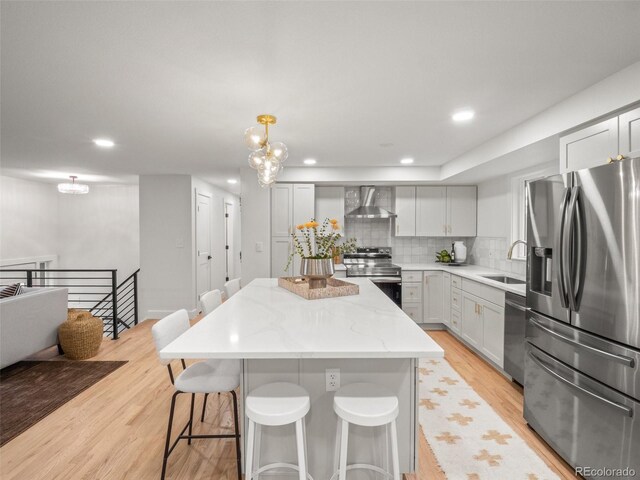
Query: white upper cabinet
(303,203)
(630,134)
(281,209)
(291,204)
(330,203)
(405,211)
(612,139)
(462,211)
(589,147)
(431,211)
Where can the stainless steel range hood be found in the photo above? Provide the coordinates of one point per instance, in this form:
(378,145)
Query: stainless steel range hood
(367,208)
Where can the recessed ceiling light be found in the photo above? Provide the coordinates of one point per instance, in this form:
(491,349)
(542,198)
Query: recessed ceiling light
(463,115)
(232,181)
(103,142)
(309,161)
(406,161)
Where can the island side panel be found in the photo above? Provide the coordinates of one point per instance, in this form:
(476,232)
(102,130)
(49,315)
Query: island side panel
(366,445)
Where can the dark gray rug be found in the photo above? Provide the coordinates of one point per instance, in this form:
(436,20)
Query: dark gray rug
(29,391)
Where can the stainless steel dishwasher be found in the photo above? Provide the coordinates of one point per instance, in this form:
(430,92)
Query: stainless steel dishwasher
(514,329)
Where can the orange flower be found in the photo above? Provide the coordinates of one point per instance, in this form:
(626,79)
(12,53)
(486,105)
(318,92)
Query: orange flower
(335,226)
(309,225)
(314,224)
(299,227)
(333,221)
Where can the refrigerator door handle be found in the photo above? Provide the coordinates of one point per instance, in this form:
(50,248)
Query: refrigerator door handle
(621,408)
(626,361)
(561,276)
(572,237)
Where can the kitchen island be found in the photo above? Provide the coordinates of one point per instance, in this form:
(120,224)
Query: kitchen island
(283,337)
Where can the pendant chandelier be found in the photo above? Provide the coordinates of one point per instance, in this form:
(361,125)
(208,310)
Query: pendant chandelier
(267,158)
(73,188)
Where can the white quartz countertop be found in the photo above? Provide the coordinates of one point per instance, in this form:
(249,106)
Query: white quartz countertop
(472,272)
(267,321)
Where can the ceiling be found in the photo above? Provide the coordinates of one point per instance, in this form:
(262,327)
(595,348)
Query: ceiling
(352,83)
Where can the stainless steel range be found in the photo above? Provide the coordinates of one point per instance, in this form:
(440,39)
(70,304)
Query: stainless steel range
(375,263)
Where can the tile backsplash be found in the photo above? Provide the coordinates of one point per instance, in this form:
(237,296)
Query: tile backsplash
(484,251)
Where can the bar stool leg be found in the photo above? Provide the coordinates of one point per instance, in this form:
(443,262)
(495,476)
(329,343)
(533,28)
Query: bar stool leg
(302,461)
(336,454)
(248,471)
(394,451)
(344,444)
(387,448)
(193,399)
(257,447)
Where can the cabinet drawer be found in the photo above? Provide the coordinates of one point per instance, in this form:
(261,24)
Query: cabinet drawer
(456,298)
(414,311)
(456,281)
(411,293)
(455,321)
(412,276)
(485,292)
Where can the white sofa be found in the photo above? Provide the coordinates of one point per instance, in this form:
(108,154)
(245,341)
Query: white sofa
(29,322)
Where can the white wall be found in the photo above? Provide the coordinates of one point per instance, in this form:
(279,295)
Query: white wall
(100,230)
(166,245)
(494,207)
(256,227)
(28,219)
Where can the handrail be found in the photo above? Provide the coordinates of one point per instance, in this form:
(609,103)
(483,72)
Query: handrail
(118,308)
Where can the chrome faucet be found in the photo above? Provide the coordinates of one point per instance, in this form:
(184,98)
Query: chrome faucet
(510,252)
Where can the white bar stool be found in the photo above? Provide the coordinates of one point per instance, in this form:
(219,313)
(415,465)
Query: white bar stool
(367,405)
(276,404)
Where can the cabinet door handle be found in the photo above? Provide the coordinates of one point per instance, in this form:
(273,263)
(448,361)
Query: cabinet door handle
(397,228)
(620,157)
(609,160)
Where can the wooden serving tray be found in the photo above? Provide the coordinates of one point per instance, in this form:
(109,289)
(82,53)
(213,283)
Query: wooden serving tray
(335,288)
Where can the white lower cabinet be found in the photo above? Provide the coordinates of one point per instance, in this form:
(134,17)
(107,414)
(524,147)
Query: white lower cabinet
(280,251)
(483,323)
(471,329)
(412,295)
(432,297)
(456,320)
(446,298)
(493,332)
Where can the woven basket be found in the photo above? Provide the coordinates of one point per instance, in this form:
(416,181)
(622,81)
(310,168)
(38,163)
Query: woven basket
(81,335)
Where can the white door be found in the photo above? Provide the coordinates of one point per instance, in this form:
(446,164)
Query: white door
(432,297)
(405,211)
(462,211)
(493,332)
(281,209)
(203,244)
(229,224)
(589,147)
(304,208)
(446,298)
(471,329)
(431,211)
(630,134)
(280,251)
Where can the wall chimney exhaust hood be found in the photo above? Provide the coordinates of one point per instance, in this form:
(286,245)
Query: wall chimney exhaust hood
(367,208)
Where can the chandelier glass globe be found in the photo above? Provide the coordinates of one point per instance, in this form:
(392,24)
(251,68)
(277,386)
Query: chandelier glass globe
(255,137)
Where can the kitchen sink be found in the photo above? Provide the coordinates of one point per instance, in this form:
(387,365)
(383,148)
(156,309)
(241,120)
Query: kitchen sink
(504,279)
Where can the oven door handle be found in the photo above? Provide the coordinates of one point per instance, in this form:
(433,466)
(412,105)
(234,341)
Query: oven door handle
(622,408)
(384,280)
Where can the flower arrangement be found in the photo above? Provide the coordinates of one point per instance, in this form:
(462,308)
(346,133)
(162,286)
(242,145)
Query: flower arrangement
(313,240)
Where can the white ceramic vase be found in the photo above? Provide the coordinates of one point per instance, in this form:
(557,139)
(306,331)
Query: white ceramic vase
(461,252)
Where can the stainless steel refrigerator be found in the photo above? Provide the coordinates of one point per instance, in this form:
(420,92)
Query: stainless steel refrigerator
(582,379)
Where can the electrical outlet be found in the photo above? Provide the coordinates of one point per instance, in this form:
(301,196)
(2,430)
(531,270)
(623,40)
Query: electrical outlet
(332,379)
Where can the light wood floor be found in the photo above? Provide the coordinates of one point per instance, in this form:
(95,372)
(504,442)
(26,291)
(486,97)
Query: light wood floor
(116,428)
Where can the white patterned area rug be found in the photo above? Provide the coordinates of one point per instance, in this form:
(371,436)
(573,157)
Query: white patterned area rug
(468,438)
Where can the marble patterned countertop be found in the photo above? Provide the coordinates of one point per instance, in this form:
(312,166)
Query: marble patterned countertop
(472,272)
(266,321)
